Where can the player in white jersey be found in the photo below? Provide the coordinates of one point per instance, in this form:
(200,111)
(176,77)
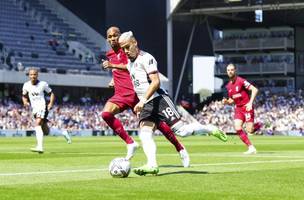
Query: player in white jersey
(154,105)
(147,64)
(33,94)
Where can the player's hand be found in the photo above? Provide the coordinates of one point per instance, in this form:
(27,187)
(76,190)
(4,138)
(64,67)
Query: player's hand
(230,101)
(50,106)
(111,84)
(138,108)
(224,101)
(106,64)
(248,106)
(26,104)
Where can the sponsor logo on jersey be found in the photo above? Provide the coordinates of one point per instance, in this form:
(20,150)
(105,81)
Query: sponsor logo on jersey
(35,93)
(236,95)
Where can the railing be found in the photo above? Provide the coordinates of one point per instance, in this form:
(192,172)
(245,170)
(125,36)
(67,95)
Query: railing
(253,44)
(260,68)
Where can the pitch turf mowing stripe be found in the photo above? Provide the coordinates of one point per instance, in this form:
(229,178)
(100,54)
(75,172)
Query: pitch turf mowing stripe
(251,162)
(193,165)
(52,172)
(226,154)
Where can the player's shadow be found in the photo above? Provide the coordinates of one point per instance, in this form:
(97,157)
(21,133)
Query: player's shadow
(170,166)
(182,172)
(267,152)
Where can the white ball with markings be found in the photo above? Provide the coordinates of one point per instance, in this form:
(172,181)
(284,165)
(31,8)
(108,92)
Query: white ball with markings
(120,168)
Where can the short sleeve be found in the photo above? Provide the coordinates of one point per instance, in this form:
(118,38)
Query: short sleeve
(24,90)
(123,58)
(47,88)
(246,83)
(150,64)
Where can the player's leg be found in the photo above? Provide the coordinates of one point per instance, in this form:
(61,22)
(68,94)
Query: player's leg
(45,127)
(249,127)
(167,115)
(183,129)
(238,126)
(149,147)
(108,115)
(249,119)
(169,134)
(257,126)
(66,136)
(39,135)
(173,118)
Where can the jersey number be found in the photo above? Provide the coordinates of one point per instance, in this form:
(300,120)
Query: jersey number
(168,112)
(136,83)
(247,116)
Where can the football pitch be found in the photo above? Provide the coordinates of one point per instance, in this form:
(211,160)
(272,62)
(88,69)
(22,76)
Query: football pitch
(218,170)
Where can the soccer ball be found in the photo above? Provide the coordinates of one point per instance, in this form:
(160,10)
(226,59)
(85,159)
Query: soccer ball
(120,168)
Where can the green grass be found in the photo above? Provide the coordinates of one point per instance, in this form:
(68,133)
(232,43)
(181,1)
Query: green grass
(218,171)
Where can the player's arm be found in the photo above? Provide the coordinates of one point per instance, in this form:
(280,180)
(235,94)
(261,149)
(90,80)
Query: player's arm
(111,83)
(52,100)
(228,101)
(154,85)
(25,100)
(254,92)
(108,65)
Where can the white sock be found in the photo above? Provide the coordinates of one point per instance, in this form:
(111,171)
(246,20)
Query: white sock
(149,146)
(39,137)
(65,133)
(202,129)
(182,129)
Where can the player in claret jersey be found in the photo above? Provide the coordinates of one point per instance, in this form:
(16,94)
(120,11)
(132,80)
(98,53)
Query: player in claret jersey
(238,89)
(125,97)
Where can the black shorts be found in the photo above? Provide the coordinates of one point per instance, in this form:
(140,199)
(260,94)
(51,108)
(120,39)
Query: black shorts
(160,108)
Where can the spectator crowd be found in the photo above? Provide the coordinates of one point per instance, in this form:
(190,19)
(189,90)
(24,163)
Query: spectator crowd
(283,112)
(277,112)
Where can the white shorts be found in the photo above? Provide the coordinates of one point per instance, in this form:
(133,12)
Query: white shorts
(40,112)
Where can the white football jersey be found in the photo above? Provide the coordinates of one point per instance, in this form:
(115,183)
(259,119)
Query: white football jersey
(144,65)
(36,93)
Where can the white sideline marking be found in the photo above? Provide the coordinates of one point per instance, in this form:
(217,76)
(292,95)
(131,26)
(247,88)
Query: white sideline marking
(52,172)
(224,154)
(105,169)
(251,162)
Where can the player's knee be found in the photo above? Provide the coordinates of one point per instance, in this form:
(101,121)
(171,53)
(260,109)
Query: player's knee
(249,130)
(146,133)
(147,125)
(238,128)
(39,122)
(106,116)
(185,130)
(178,128)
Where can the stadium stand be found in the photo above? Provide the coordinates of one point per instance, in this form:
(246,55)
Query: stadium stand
(257,52)
(34,36)
(280,113)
